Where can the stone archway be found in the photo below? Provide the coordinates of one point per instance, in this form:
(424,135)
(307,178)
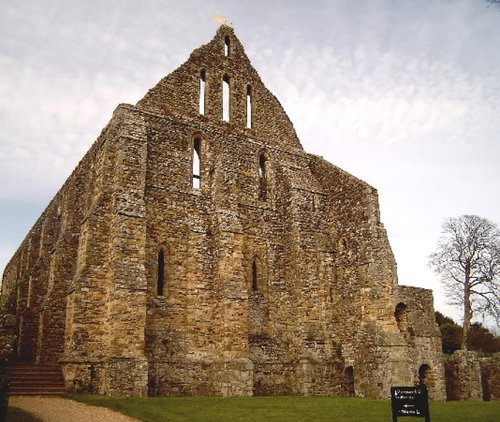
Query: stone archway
(400,314)
(426,376)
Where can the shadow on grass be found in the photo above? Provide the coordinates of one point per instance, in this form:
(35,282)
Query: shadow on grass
(14,414)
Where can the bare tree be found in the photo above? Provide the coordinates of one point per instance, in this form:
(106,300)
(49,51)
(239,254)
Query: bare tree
(467,259)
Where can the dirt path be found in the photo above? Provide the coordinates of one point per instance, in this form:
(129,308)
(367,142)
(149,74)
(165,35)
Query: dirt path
(56,409)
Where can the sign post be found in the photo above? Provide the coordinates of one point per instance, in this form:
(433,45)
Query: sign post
(410,401)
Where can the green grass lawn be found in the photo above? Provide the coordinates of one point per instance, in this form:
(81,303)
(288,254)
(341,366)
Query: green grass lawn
(254,409)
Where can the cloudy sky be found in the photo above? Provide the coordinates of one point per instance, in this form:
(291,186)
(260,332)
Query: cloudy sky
(403,94)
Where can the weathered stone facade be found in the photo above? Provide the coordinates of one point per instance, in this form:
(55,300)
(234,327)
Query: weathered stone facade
(187,254)
(469,376)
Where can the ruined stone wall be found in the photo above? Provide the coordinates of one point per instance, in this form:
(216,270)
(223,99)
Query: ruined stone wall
(267,341)
(7,337)
(177,93)
(7,352)
(61,281)
(36,280)
(414,312)
(490,377)
(363,282)
(211,237)
(104,338)
(472,377)
(268,273)
(463,376)
(326,271)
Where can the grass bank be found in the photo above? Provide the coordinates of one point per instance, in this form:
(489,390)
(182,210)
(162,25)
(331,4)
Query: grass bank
(255,409)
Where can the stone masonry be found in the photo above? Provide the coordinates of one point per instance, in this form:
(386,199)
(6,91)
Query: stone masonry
(197,249)
(463,376)
(490,377)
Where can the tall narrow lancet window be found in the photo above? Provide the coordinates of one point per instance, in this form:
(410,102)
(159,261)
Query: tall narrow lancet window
(160,284)
(255,284)
(196,163)
(202,92)
(249,106)
(262,177)
(226,46)
(226,99)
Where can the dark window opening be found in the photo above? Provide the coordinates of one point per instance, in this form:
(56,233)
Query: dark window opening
(197,163)
(202,93)
(262,177)
(161,273)
(349,381)
(226,46)
(485,383)
(249,106)
(226,99)
(255,284)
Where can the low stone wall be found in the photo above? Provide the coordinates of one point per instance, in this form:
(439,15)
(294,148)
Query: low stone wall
(463,376)
(490,377)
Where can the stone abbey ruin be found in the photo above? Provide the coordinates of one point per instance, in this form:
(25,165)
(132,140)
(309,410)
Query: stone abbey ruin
(197,249)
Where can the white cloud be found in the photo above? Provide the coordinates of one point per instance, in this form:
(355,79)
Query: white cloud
(420,126)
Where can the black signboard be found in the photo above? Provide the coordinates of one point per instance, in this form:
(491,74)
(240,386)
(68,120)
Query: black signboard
(410,401)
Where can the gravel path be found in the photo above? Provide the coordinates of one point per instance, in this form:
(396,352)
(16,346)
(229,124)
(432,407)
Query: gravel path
(56,409)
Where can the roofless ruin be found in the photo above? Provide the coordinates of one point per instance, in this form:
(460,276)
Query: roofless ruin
(197,249)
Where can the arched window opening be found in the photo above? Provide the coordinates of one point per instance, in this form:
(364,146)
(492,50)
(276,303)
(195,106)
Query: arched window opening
(226,99)
(425,376)
(343,245)
(197,163)
(202,93)
(349,381)
(226,46)
(401,315)
(255,282)
(161,273)
(249,107)
(262,177)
